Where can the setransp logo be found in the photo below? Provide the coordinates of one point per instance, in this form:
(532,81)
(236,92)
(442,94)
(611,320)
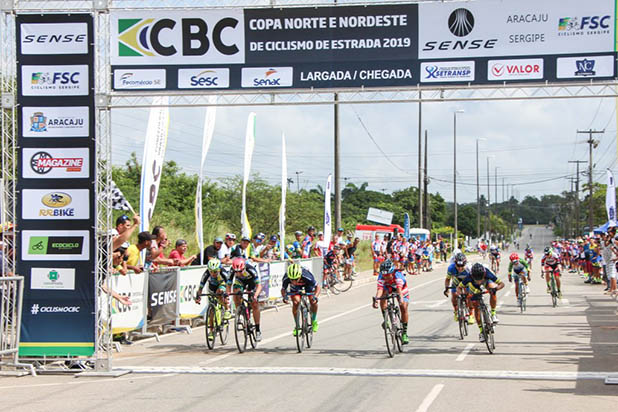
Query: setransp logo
(447,72)
(205,78)
(180,37)
(68,121)
(55,80)
(267,77)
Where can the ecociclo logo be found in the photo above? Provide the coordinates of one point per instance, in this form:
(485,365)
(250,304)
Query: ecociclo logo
(461,22)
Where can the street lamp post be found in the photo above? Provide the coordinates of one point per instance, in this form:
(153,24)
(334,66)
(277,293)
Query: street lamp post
(456,244)
(478,191)
(488,202)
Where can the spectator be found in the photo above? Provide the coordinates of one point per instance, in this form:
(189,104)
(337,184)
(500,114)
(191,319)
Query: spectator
(241,249)
(270,251)
(119,259)
(226,249)
(338,236)
(134,262)
(124,229)
(321,246)
(308,242)
(156,254)
(298,243)
(178,254)
(210,252)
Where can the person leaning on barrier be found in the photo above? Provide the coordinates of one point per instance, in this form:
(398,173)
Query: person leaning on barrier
(134,263)
(156,253)
(210,251)
(270,251)
(241,249)
(178,254)
(124,229)
(119,259)
(226,249)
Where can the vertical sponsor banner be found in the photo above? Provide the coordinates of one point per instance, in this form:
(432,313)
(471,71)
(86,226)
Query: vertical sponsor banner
(162,296)
(610,199)
(56,243)
(284,186)
(264,271)
(154,153)
(209,129)
(327,211)
(406,225)
(249,145)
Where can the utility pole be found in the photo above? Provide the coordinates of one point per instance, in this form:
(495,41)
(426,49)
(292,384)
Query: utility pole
(420,150)
(502,190)
(592,143)
(426,213)
(496,184)
(337,169)
(577,211)
(478,192)
(298,181)
(488,204)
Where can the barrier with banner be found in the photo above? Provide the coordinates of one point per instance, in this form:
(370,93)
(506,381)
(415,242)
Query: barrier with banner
(162,296)
(188,283)
(135,287)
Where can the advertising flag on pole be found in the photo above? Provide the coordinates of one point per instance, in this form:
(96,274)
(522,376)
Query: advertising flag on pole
(406,226)
(610,199)
(284,187)
(209,129)
(152,163)
(249,145)
(327,214)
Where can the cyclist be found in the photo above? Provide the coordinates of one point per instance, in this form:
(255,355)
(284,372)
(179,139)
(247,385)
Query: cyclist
(394,281)
(245,278)
(218,281)
(330,261)
(480,277)
(551,262)
(514,262)
(455,274)
(494,256)
(376,253)
(529,256)
(298,279)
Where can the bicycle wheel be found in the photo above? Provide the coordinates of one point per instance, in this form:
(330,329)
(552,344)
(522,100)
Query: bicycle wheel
(251,330)
(397,329)
(554,294)
(461,318)
(240,328)
(211,327)
(487,330)
(308,327)
(389,335)
(300,330)
(344,284)
(224,331)
(332,283)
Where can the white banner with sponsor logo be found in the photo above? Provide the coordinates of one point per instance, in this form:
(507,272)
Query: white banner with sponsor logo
(188,283)
(585,67)
(52,278)
(68,80)
(284,187)
(327,210)
(64,121)
(205,78)
(206,36)
(139,79)
(610,199)
(152,163)
(55,163)
(54,38)
(518,69)
(49,204)
(515,28)
(437,72)
(65,245)
(127,318)
(267,76)
(249,145)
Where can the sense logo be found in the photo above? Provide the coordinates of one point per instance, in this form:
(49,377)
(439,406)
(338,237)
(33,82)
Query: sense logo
(461,22)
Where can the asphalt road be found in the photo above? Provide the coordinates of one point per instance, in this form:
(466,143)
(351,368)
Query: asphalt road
(545,358)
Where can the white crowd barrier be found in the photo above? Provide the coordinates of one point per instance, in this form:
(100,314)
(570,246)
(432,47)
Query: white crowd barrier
(165,296)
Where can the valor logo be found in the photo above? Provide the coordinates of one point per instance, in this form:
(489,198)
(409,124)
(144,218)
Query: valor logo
(522,69)
(56,121)
(461,22)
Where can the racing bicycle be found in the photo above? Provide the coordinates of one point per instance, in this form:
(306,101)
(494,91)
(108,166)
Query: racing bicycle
(215,322)
(393,329)
(244,328)
(304,329)
(486,323)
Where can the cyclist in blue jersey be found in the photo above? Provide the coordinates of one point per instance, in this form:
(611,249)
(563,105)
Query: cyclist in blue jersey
(299,279)
(308,242)
(390,281)
(455,274)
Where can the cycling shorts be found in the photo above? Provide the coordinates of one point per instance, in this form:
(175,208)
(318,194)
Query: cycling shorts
(296,289)
(213,288)
(245,285)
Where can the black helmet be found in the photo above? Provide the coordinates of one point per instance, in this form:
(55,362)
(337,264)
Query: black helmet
(547,250)
(310,228)
(386,267)
(460,259)
(477,272)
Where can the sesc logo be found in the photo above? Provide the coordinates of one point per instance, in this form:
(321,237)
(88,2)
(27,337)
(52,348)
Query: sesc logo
(139,79)
(56,121)
(214,36)
(54,38)
(55,80)
(66,245)
(267,77)
(203,78)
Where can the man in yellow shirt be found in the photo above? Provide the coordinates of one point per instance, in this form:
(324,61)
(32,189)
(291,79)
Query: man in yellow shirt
(144,241)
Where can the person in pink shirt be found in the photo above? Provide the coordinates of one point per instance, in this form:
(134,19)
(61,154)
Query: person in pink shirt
(178,254)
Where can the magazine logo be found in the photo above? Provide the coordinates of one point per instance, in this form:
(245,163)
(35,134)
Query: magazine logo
(585,66)
(139,79)
(515,69)
(66,245)
(52,278)
(267,77)
(50,163)
(54,38)
(55,205)
(203,78)
(447,72)
(35,309)
(55,80)
(56,121)
(43,163)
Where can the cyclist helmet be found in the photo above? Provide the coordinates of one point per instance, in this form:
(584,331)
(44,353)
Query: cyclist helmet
(238,264)
(477,272)
(460,259)
(214,264)
(514,257)
(547,251)
(493,247)
(386,267)
(294,271)
(518,268)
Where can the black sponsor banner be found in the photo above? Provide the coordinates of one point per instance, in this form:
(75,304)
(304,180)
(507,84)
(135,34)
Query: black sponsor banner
(56,129)
(162,296)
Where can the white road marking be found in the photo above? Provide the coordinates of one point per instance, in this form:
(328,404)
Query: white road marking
(83,380)
(435,305)
(465,352)
(431,396)
(404,373)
